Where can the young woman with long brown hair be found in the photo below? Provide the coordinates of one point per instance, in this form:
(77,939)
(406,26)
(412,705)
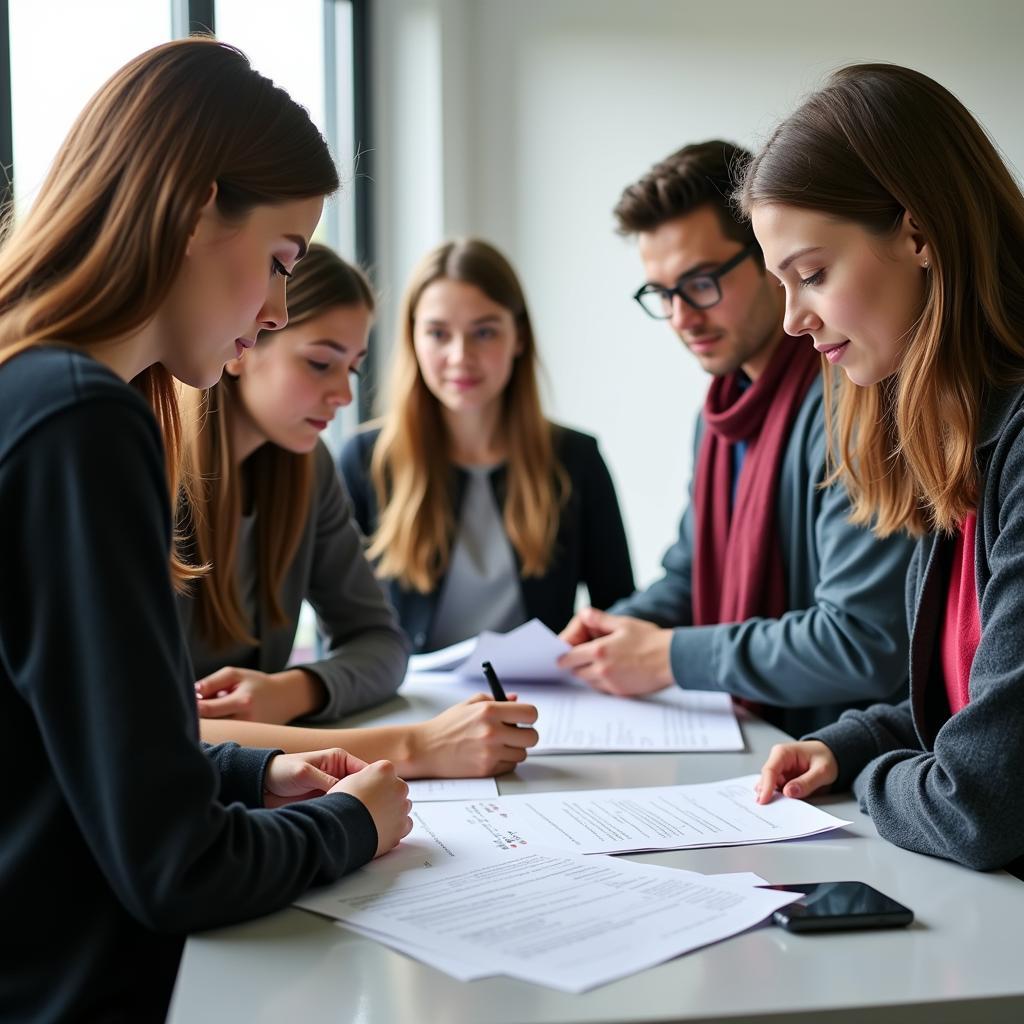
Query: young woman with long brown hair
(481,513)
(898,234)
(156,251)
(275,526)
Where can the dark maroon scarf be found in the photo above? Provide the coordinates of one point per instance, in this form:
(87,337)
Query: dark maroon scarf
(737,564)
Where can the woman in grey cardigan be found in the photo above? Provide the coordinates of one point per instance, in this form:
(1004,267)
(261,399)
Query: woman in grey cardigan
(272,522)
(898,234)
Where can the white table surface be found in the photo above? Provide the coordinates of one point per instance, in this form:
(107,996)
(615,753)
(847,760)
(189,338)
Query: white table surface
(958,962)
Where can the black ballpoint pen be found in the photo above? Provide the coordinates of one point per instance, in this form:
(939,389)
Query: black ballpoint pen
(492,681)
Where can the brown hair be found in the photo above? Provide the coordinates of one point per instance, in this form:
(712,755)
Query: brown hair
(703,174)
(877,141)
(104,241)
(411,467)
(325,280)
(281,481)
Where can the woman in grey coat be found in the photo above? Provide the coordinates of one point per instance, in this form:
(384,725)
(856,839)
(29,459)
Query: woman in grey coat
(898,234)
(268,516)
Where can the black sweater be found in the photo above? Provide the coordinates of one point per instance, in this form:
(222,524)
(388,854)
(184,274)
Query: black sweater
(590,546)
(117,835)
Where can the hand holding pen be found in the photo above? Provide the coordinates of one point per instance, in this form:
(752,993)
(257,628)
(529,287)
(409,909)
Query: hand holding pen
(497,690)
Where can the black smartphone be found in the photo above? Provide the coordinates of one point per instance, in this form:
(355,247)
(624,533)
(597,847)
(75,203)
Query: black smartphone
(830,906)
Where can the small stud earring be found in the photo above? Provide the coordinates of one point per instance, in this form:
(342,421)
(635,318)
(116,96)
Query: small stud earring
(925,264)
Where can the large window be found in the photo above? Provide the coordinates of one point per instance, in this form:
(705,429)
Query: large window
(61,52)
(306,48)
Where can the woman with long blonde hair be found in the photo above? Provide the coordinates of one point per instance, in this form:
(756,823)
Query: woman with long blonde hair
(157,250)
(481,513)
(898,233)
(274,524)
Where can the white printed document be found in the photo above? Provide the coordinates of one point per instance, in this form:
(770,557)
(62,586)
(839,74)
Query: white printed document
(529,651)
(548,917)
(574,719)
(622,820)
(464,971)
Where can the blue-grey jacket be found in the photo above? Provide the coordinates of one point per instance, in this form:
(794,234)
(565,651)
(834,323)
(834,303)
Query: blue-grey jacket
(842,644)
(941,784)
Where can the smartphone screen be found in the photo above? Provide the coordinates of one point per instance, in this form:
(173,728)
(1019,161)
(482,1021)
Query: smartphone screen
(827,906)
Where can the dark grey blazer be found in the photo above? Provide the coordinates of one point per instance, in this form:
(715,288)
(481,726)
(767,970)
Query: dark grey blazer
(843,641)
(367,651)
(949,785)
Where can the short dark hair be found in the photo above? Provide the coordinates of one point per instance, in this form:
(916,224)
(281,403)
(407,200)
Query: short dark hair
(704,174)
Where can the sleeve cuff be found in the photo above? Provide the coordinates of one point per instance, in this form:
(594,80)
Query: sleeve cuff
(693,658)
(357,824)
(329,710)
(851,742)
(241,771)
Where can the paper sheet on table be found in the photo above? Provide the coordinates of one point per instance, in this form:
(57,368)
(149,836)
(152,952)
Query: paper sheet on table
(527,652)
(423,849)
(425,790)
(464,971)
(553,918)
(573,719)
(622,820)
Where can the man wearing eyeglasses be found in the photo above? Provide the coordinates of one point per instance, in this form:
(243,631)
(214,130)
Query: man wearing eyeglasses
(768,593)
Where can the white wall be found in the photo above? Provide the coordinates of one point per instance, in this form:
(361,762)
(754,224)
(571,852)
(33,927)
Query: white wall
(522,120)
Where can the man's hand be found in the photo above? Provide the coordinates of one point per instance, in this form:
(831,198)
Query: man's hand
(618,654)
(576,632)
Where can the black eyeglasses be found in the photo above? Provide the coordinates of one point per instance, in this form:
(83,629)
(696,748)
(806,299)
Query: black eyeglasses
(700,290)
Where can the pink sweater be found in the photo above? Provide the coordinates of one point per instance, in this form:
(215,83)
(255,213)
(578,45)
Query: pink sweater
(961,627)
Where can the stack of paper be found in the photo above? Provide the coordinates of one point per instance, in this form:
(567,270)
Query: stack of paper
(573,719)
(505,886)
(552,918)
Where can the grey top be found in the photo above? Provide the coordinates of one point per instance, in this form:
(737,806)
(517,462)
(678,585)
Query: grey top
(932,782)
(844,639)
(245,560)
(590,542)
(366,650)
(481,587)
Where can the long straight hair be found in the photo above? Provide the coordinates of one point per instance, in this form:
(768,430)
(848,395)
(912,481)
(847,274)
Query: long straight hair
(281,482)
(102,245)
(877,141)
(411,467)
